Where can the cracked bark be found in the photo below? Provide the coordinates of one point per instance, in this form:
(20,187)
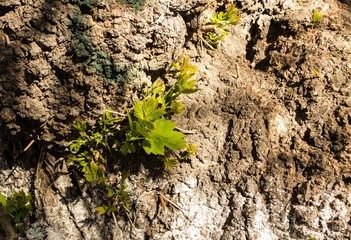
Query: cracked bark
(6,225)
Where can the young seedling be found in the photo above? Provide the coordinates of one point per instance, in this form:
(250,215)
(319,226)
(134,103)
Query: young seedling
(216,29)
(316,18)
(316,73)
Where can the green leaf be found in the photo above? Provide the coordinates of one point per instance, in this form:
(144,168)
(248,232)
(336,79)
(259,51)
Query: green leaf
(170,163)
(163,136)
(213,38)
(18,207)
(230,17)
(73,158)
(184,72)
(110,192)
(188,87)
(148,109)
(102,209)
(98,138)
(123,196)
(317,16)
(158,86)
(130,121)
(107,120)
(138,110)
(220,16)
(153,145)
(3,200)
(94,173)
(191,149)
(127,148)
(142,130)
(177,107)
(110,209)
(233,15)
(80,126)
(89,175)
(75,145)
(28,198)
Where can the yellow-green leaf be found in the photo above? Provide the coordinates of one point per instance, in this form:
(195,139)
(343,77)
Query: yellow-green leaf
(163,136)
(149,109)
(158,86)
(170,163)
(102,209)
(3,200)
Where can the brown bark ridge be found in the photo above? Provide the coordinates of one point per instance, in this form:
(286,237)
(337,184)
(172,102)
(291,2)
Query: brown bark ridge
(6,225)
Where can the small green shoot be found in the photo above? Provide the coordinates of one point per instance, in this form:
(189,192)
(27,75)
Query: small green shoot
(230,17)
(170,162)
(106,209)
(309,237)
(316,18)
(90,148)
(316,73)
(217,29)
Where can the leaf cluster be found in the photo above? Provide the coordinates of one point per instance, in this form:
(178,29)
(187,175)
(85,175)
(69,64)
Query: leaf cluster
(17,208)
(118,195)
(220,21)
(149,121)
(230,17)
(146,126)
(90,151)
(90,147)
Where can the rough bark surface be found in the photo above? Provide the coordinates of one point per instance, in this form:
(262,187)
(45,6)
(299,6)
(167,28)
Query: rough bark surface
(272,119)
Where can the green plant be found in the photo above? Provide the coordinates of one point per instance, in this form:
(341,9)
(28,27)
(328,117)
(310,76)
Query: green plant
(145,126)
(90,151)
(16,208)
(217,29)
(149,121)
(118,195)
(316,18)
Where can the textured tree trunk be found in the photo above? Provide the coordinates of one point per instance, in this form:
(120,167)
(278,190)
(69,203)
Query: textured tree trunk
(271,122)
(6,225)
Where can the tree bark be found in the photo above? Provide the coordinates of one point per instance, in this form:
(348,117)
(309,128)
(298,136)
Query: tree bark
(6,225)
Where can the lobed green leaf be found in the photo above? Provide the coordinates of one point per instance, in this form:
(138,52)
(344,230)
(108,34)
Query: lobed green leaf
(163,136)
(148,109)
